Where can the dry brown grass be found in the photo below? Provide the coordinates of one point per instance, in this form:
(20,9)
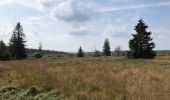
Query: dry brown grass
(90,78)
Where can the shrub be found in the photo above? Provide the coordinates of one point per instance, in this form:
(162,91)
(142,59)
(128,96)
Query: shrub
(37,55)
(32,93)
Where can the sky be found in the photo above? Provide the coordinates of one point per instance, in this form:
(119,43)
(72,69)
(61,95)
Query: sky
(65,25)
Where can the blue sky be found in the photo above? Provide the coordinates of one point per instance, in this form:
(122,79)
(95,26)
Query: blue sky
(64,25)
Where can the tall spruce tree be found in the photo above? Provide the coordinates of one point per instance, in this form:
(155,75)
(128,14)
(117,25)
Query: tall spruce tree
(17,43)
(106,48)
(80,52)
(4,55)
(141,46)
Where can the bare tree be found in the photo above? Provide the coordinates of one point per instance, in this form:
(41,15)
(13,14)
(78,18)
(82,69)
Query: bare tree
(40,47)
(117,51)
(97,53)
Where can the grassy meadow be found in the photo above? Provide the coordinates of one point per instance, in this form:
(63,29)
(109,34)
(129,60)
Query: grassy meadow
(88,78)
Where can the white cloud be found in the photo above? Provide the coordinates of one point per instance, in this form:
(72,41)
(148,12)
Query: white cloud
(74,10)
(45,4)
(81,22)
(81,10)
(82,30)
(28,3)
(116,31)
(134,6)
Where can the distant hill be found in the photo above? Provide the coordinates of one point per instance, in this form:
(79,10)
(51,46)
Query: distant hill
(163,52)
(123,53)
(61,53)
(48,52)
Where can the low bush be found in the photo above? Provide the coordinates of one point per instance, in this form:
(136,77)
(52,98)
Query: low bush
(9,89)
(37,55)
(32,93)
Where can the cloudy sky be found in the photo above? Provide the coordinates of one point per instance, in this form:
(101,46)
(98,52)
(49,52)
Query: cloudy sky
(64,25)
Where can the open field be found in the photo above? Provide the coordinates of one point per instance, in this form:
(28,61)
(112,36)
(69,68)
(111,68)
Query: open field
(91,78)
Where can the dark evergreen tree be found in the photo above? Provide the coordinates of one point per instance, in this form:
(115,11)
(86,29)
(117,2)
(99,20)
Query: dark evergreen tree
(141,46)
(4,55)
(17,43)
(106,48)
(80,52)
(2,47)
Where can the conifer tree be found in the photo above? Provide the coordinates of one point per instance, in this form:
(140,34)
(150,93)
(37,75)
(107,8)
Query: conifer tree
(80,52)
(141,46)
(2,47)
(17,43)
(106,48)
(4,55)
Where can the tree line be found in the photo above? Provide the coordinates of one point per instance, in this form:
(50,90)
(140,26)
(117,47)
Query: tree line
(141,45)
(16,48)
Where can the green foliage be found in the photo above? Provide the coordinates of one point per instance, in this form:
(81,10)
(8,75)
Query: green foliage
(141,46)
(53,95)
(33,93)
(9,89)
(80,52)
(106,48)
(9,93)
(3,52)
(37,55)
(17,43)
